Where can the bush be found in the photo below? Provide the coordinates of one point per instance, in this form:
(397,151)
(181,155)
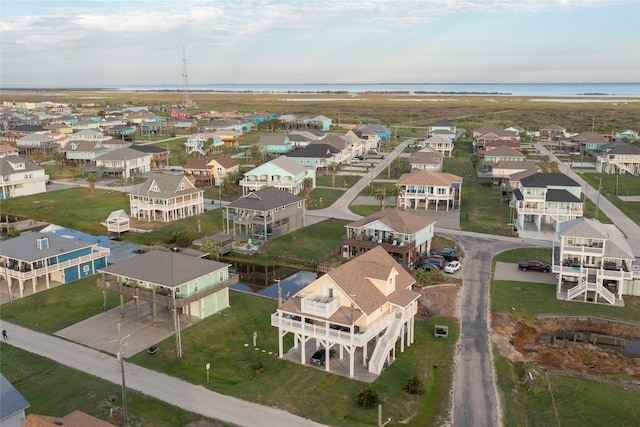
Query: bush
(413,385)
(183,238)
(368,398)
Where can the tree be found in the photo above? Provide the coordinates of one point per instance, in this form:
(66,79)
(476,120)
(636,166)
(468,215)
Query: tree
(333,168)
(422,276)
(91,180)
(395,192)
(380,195)
(37,157)
(212,249)
(474,159)
(231,180)
(208,145)
(181,159)
(307,188)
(554,167)
(59,157)
(255,154)
(544,163)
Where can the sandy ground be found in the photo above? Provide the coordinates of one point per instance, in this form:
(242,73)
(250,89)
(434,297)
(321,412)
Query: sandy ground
(440,300)
(531,342)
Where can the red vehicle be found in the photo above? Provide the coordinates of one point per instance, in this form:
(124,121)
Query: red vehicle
(534,265)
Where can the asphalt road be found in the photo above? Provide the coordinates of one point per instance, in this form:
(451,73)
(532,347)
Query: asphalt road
(193,398)
(475,398)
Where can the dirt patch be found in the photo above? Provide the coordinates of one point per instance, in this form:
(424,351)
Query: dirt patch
(439,300)
(530,342)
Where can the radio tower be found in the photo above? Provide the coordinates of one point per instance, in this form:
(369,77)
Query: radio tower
(185,79)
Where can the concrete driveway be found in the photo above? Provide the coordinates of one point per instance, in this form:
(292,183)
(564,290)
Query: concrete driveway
(510,271)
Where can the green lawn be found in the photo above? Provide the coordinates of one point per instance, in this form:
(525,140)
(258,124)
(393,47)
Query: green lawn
(240,371)
(618,185)
(57,390)
(579,401)
(310,243)
(524,254)
(525,300)
(57,308)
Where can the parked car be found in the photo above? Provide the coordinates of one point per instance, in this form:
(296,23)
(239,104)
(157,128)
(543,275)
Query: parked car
(427,266)
(437,261)
(449,254)
(355,160)
(319,356)
(534,265)
(452,267)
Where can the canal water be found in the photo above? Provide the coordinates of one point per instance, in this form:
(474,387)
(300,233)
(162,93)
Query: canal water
(264,280)
(120,250)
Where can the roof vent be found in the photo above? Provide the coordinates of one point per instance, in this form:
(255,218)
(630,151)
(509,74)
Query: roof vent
(58,422)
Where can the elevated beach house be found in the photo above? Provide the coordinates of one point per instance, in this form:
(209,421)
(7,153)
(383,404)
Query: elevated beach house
(166,198)
(183,285)
(594,262)
(404,235)
(363,310)
(46,259)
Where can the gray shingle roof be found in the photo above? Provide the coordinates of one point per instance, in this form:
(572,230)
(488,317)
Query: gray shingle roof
(169,186)
(398,220)
(25,248)
(11,401)
(557,195)
(265,199)
(543,180)
(323,151)
(7,165)
(168,269)
(616,246)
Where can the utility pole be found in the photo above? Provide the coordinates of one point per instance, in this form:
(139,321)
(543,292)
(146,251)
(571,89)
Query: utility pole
(124,388)
(598,199)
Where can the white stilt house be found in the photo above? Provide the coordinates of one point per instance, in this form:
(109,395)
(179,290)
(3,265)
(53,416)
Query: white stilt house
(365,304)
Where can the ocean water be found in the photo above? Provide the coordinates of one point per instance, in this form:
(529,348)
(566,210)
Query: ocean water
(418,89)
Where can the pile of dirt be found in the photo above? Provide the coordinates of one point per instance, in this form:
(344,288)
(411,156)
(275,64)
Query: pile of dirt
(439,300)
(522,341)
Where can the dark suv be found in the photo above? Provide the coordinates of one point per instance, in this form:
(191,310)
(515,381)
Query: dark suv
(448,254)
(319,356)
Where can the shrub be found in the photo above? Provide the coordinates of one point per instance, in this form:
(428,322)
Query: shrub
(368,398)
(413,385)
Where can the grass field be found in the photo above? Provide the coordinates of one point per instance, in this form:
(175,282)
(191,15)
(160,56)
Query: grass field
(240,371)
(578,401)
(57,390)
(618,185)
(554,399)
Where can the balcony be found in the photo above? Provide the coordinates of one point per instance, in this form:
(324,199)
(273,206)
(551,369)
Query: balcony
(39,272)
(163,295)
(322,330)
(316,305)
(387,244)
(582,250)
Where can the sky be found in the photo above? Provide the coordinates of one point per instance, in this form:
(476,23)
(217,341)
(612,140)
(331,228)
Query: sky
(52,43)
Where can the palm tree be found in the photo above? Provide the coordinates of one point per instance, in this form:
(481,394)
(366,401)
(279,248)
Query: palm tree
(333,167)
(544,163)
(91,180)
(395,192)
(307,188)
(380,195)
(255,154)
(58,157)
(208,145)
(231,179)
(474,159)
(37,157)
(554,167)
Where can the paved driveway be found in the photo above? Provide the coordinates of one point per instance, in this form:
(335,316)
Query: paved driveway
(509,271)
